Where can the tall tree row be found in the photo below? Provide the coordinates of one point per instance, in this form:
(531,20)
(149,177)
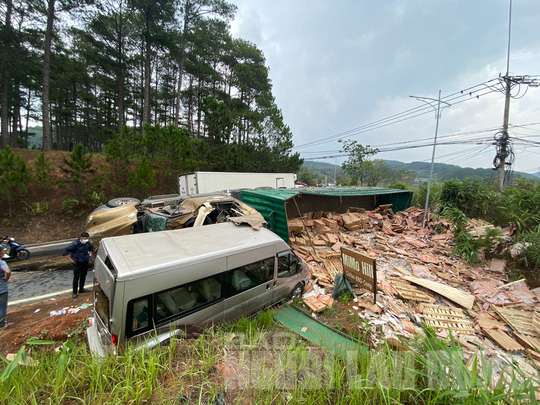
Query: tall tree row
(87,69)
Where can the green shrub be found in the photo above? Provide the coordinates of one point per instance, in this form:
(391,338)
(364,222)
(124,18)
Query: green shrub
(472,196)
(37,207)
(466,247)
(79,167)
(79,207)
(14,177)
(419,198)
(531,239)
(398,185)
(520,204)
(42,171)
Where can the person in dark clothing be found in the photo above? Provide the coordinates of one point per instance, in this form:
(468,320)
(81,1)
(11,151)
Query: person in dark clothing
(78,253)
(5,273)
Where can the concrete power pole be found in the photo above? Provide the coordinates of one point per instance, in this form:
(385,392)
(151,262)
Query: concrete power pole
(502,142)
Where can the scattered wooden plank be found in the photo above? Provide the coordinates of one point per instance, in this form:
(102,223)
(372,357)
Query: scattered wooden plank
(453,294)
(519,320)
(314,304)
(409,292)
(536,322)
(497,266)
(528,342)
(503,340)
(486,321)
(444,318)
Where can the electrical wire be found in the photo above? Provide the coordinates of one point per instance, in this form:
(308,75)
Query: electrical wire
(407,114)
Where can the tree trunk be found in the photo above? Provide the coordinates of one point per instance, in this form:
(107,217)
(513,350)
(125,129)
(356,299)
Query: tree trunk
(47,138)
(190,108)
(28,106)
(120,80)
(16,117)
(75,134)
(156,110)
(120,71)
(4,85)
(147,74)
(141,110)
(199,109)
(181,66)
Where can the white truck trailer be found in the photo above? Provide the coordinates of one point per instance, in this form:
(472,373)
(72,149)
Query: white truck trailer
(209,182)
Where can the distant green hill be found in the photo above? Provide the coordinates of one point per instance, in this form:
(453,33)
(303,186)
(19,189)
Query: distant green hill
(441,171)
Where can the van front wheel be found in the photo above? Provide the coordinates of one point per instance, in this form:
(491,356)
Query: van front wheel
(297,291)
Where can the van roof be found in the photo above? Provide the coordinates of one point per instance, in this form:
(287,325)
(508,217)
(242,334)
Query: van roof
(139,253)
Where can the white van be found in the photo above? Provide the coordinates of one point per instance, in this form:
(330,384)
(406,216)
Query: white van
(151,286)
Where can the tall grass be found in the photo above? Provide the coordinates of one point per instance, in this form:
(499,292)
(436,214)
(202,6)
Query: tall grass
(256,361)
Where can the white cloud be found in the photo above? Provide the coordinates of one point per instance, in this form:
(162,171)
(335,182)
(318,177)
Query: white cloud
(336,66)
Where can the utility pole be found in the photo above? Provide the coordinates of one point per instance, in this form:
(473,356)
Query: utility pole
(502,142)
(504,147)
(437,117)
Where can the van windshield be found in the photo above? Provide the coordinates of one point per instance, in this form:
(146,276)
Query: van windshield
(101,304)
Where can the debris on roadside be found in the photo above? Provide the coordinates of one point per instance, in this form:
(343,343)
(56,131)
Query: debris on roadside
(68,310)
(419,281)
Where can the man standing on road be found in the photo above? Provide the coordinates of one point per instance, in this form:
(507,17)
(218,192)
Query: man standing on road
(79,252)
(5,273)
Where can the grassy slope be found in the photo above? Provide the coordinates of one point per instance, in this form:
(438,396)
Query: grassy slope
(256,361)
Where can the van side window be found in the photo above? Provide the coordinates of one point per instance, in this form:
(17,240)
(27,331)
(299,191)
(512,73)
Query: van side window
(109,265)
(287,265)
(187,297)
(140,314)
(249,276)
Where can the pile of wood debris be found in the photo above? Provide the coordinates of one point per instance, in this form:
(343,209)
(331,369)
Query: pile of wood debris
(419,281)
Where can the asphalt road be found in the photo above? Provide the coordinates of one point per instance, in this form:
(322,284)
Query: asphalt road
(45,275)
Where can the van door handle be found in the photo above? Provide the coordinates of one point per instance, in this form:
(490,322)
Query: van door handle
(267,286)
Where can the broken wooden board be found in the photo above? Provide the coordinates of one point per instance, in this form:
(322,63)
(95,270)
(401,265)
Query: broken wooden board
(333,264)
(447,318)
(503,340)
(314,304)
(497,266)
(528,342)
(453,294)
(536,322)
(409,292)
(326,300)
(519,320)
(486,321)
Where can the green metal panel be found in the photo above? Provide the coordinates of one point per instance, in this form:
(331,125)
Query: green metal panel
(400,201)
(271,202)
(272,208)
(317,333)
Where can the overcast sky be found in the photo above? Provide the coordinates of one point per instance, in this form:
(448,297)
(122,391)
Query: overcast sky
(339,65)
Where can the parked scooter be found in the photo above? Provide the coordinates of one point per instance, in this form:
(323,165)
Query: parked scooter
(14,250)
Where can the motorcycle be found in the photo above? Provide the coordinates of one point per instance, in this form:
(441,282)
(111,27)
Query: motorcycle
(14,250)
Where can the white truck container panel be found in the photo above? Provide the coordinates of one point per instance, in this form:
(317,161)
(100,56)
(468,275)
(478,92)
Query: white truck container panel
(209,182)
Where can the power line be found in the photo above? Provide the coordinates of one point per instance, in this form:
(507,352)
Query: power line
(407,144)
(407,114)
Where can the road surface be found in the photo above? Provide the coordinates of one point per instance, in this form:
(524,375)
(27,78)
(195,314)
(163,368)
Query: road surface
(41,278)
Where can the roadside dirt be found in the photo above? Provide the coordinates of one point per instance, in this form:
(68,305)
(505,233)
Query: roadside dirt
(35,321)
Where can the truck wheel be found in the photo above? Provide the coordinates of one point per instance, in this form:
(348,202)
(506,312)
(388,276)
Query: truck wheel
(120,201)
(297,291)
